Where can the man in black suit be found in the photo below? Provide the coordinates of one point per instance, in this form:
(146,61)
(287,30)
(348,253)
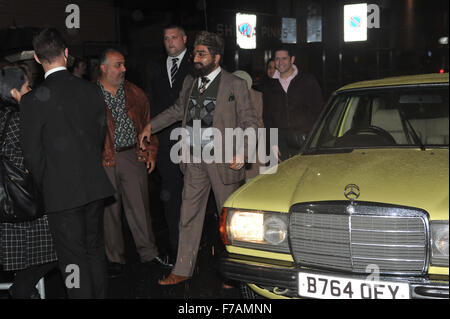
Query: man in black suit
(63,129)
(164,85)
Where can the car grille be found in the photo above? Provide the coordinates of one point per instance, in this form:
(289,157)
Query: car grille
(360,238)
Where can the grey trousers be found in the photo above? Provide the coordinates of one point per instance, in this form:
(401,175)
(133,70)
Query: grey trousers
(198,180)
(129,178)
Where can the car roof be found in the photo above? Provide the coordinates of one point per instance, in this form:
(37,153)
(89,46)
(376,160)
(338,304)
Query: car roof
(434,78)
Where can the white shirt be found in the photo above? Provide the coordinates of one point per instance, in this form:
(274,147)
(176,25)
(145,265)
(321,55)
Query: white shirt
(60,68)
(169,63)
(210,76)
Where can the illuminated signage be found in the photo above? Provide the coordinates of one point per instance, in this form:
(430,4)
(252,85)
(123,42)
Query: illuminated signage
(246,31)
(314,29)
(355,22)
(288,30)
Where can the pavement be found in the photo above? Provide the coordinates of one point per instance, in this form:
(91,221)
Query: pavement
(140,282)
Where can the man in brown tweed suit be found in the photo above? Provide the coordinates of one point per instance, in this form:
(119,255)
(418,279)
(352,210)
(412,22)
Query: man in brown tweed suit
(217,100)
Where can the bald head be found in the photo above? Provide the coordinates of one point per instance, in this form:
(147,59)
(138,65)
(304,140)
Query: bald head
(113,69)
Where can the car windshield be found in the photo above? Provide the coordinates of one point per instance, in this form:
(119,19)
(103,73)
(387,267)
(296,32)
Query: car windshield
(389,117)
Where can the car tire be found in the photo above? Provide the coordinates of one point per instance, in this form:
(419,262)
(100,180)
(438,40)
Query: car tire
(248,293)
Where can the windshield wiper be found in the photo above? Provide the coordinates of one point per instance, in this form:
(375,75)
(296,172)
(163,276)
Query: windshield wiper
(413,132)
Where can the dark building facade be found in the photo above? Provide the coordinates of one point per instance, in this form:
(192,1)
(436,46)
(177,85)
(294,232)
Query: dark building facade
(405,42)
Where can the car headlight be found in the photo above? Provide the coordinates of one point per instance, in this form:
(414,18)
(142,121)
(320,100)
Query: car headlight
(256,229)
(275,230)
(247,226)
(439,243)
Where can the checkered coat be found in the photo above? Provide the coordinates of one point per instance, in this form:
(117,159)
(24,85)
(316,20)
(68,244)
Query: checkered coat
(29,243)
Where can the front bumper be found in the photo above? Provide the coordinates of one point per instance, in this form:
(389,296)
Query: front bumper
(279,279)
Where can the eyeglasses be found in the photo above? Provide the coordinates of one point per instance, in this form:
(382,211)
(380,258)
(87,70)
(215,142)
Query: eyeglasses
(201,54)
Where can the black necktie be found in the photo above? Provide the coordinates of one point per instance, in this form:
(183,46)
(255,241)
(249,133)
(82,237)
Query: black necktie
(202,87)
(173,70)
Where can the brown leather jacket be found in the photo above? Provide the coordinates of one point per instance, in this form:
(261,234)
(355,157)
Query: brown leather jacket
(138,110)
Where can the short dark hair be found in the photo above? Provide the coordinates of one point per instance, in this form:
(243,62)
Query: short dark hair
(48,44)
(175,26)
(284,48)
(11,77)
(106,52)
(77,62)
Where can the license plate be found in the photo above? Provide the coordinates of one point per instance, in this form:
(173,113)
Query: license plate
(329,287)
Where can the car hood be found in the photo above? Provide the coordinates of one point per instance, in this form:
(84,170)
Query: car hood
(406,177)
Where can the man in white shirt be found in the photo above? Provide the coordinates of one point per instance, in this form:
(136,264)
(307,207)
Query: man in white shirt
(164,84)
(175,43)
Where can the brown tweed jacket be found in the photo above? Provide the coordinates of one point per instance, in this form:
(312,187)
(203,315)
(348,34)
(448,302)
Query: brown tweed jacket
(233,110)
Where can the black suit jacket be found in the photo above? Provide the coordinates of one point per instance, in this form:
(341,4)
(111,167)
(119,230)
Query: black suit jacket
(162,96)
(63,127)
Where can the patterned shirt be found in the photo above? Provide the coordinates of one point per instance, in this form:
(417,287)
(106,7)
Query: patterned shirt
(124,133)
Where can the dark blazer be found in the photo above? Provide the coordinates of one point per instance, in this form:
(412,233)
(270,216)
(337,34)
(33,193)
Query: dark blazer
(293,113)
(297,109)
(63,127)
(162,95)
(233,110)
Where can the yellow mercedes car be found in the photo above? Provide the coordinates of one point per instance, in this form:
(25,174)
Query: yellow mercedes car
(362,211)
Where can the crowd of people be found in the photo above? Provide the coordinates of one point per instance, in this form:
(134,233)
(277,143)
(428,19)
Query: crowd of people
(90,145)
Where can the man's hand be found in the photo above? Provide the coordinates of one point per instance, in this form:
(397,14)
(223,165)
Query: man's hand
(151,163)
(237,163)
(145,136)
(276,152)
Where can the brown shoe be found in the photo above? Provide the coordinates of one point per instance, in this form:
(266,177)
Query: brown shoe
(172,279)
(226,286)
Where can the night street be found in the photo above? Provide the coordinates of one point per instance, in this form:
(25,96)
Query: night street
(140,282)
(207,150)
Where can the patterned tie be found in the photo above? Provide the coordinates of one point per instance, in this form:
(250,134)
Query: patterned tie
(202,87)
(173,70)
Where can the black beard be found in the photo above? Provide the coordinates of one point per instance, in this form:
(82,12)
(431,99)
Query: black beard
(203,71)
